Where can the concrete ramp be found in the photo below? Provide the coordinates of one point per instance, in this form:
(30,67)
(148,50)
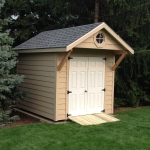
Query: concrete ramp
(93,119)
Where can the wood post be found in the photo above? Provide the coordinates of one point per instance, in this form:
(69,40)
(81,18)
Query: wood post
(118,61)
(64,60)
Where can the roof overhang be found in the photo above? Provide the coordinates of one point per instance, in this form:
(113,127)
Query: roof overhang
(120,41)
(41,50)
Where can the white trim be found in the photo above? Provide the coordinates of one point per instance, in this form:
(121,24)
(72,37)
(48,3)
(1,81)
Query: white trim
(80,40)
(121,41)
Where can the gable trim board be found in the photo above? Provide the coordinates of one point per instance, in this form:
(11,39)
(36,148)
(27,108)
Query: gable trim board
(47,71)
(64,60)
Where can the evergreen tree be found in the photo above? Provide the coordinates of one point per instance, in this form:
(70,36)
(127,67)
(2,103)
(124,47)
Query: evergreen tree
(29,17)
(9,92)
(130,19)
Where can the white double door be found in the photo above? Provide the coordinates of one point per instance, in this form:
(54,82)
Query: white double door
(86,84)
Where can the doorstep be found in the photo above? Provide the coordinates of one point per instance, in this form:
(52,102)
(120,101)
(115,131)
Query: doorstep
(93,119)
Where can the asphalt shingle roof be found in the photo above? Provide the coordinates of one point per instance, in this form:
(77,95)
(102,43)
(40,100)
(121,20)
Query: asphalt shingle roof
(57,38)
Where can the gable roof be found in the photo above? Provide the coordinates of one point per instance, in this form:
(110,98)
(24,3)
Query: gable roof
(68,38)
(57,38)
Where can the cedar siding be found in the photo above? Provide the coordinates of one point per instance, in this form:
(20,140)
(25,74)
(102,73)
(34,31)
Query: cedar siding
(40,82)
(109,85)
(110,43)
(61,89)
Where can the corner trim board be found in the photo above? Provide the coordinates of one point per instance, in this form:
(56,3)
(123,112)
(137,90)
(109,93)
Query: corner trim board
(64,60)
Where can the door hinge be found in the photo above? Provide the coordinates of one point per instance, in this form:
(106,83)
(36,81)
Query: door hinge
(70,58)
(69,92)
(104,89)
(105,58)
(68,115)
(103,110)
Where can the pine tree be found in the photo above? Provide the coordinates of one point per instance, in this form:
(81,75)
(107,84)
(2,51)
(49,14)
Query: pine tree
(9,92)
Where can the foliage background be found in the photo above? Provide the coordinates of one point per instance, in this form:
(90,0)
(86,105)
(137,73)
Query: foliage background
(9,92)
(130,19)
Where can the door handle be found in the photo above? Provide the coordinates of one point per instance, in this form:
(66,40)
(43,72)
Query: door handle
(69,92)
(104,90)
(85,91)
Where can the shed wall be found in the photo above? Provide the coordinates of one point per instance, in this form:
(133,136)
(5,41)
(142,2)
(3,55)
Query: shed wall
(61,89)
(40,83)
(63,76)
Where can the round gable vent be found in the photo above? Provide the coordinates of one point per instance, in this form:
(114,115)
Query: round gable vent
(100,38)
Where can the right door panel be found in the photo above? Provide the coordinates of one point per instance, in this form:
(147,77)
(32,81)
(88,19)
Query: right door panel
(96,78)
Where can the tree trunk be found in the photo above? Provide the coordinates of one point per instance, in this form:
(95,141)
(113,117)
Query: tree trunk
(96,15)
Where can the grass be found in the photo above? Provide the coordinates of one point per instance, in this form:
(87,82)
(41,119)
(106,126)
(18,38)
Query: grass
(131,133)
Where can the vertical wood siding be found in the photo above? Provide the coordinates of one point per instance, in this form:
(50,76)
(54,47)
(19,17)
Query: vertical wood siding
(40,83)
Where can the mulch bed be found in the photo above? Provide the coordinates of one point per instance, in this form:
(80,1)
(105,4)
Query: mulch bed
(128,108)
(26,119)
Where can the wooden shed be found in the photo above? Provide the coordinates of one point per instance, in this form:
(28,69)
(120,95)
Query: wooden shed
(70,71)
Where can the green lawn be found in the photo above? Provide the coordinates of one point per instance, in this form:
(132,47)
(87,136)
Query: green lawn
(131,133)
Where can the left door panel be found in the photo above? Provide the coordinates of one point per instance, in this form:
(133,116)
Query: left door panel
(78,86)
